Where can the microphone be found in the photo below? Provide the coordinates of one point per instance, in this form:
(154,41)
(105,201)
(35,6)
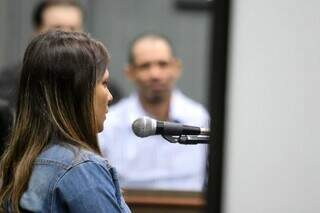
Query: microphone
(145,126)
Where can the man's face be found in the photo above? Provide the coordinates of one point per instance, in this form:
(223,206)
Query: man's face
(155,70)
(62,17)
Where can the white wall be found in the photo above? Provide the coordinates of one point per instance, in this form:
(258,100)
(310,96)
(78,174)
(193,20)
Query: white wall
(273,134)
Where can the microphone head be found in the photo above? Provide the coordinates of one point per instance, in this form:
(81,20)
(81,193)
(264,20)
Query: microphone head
(144,127)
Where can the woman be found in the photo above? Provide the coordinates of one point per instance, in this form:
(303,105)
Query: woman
(53,161)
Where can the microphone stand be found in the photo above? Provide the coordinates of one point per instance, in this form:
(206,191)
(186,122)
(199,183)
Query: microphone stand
(187,139)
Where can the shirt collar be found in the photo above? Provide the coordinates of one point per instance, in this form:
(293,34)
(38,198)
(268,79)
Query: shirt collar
(175,107)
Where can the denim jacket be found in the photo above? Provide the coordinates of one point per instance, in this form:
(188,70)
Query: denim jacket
(69,179)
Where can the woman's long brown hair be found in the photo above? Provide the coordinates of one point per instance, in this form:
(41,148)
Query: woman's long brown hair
(55,97)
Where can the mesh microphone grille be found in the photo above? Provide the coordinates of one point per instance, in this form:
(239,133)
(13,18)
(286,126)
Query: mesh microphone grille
(143,127)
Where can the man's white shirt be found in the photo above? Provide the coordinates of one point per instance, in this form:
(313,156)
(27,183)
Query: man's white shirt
(153,162)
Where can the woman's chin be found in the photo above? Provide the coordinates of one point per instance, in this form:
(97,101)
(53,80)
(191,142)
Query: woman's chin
(100,125)
(100,128)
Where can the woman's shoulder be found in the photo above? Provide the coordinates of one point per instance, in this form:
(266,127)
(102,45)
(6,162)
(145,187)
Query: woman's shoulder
(90,184)
(65,156)
(67,170)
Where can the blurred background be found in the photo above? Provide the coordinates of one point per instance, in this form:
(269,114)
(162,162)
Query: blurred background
(116,23)
(271,155)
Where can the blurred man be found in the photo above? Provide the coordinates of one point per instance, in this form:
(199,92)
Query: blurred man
(58,14)
(51,14)
(66,15)
(152,162)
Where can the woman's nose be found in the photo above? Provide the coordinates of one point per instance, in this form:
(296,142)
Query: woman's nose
(110,96)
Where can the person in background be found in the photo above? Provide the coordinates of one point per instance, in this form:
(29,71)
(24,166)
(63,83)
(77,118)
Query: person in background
(53,161)
(51,14)
(5,120)
(153,162)
(65,15)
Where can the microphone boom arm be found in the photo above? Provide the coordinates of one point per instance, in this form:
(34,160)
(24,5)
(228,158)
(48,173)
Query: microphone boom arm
(187,139)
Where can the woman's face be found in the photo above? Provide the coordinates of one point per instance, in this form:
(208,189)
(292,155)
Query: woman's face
(102,98)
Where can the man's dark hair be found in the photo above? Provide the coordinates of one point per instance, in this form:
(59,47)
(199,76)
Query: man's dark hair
(144,36)
(37,15)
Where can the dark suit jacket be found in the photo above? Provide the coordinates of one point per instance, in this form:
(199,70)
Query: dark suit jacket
(5,122)
(9,78)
